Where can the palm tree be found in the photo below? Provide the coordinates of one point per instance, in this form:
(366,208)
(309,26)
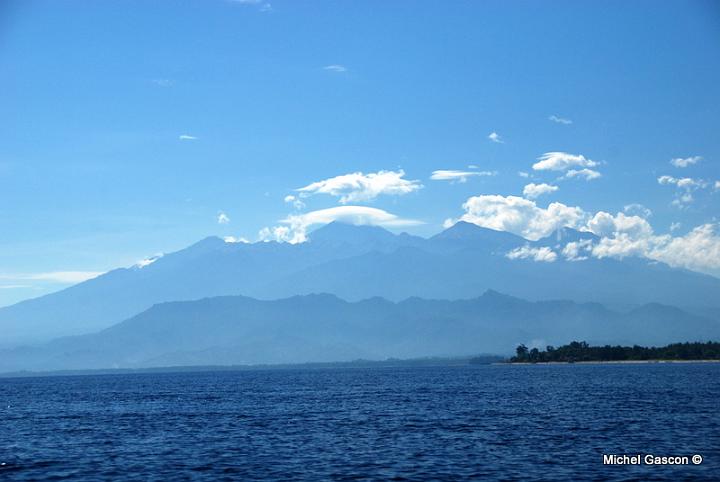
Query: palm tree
(522,352)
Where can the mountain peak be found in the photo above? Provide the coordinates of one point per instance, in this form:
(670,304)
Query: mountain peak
(459,230)
(567,235)
(496,296)
(338,232)
(464,229)
(206,244)
(463,232)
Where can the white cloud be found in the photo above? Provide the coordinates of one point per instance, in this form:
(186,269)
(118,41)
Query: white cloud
(620,236)
(621,246)
(280,234)
(148,261)
(359,187)
(687,183)
(561,161)
(297,203)
(186,137)
(293,229)
(683,200)
(543,254)
(234,239)
(685,186)
(532,190)
(717,185)
(698,250)
(636,208)
(523,174)
(559,120)
(65,277)
(623,236)
(459,176)
(495,137)
(577,250)
(337,68)
(587,174)
(223,218)
(675,226)
(685,162)
(604,224)
(520,216)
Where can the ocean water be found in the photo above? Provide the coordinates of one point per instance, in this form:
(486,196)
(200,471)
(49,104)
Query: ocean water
(445,423)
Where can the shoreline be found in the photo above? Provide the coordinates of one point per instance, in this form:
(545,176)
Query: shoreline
(388,363)
(610,362)
(427,362)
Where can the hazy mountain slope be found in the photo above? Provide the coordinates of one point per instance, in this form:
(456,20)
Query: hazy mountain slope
(210,267)
(356,262)
(238,330)
(467,271)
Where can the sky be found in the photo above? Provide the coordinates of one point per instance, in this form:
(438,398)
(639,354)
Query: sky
(134,128)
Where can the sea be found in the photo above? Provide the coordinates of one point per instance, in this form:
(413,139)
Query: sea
(486,422)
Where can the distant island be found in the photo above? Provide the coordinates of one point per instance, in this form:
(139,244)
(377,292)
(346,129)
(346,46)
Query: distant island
(580,351)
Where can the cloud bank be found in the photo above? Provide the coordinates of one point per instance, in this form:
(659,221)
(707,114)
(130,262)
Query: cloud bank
(458,176)
(293,229)
(520,216)
(336,68)
(685,162)
(359,187)
(559,120)
(532,190)
(562,161)
(586,174)
(543,254)
(621,235)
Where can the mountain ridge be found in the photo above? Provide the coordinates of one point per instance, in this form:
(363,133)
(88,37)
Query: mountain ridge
(323,327)
(458,263)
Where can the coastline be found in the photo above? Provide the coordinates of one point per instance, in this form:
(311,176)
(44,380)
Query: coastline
(388,363)
(610,362)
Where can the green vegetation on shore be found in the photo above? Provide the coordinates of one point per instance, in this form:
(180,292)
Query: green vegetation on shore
(580,351)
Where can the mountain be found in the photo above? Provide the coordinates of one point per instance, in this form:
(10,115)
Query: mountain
(344,236)
(465,269)
(358,262)
(314,328)
(464,235)
(210,267)
(566,235)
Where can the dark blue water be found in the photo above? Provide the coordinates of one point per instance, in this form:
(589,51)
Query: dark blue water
(453,423)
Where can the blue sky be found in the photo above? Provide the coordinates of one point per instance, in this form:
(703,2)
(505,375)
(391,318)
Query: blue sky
(128,128)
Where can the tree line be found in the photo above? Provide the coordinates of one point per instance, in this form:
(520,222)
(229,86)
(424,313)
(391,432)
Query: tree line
(578,351)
